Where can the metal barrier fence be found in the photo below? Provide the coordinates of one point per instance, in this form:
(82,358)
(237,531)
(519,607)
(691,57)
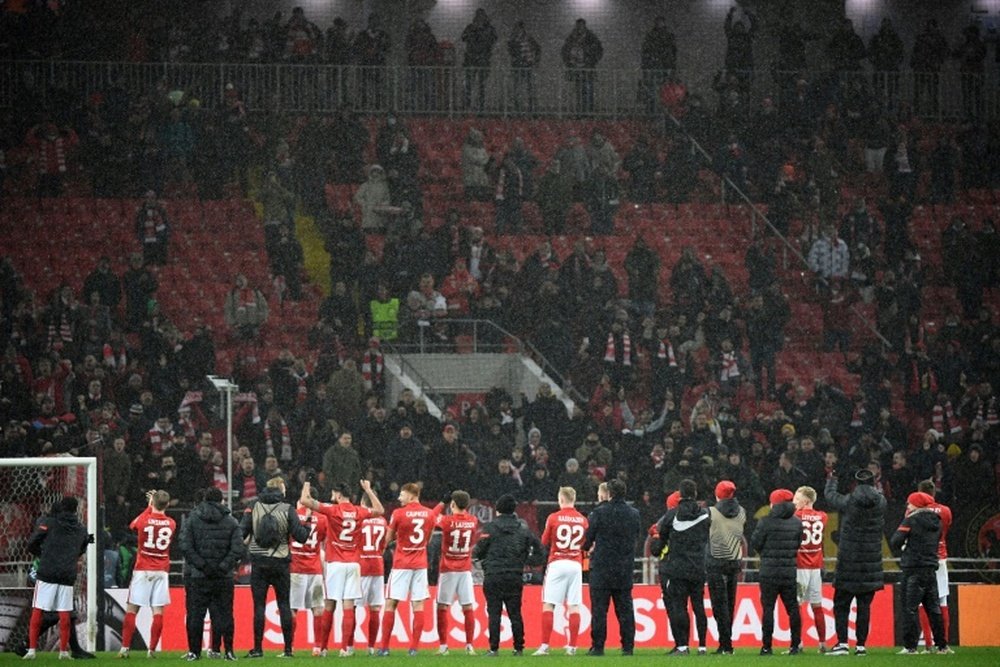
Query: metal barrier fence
(456,90)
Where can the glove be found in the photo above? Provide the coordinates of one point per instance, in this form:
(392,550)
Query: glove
(90,538)
(446,499)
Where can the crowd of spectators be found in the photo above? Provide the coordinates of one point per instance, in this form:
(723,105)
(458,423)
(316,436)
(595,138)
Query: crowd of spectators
(669,390)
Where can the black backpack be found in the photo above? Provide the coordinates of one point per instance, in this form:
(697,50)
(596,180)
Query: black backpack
(267,532)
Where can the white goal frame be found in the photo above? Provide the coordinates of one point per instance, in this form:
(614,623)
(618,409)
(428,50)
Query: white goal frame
(89,463)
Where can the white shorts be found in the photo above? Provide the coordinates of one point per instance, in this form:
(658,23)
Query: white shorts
(809,585)
(563,583)
(372,592)
(455,585)
(306,591)
(408,585)
(52,597)
(149,588)
(342,581)
(942,580)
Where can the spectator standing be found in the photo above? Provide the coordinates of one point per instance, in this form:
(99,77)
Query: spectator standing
(612,531)
(105,283)
(371,46)
(510,196)
(971,56)
(845,50)
(479,37)
(739,47)
(859,556)
(885,51)
(212,544)
(581,53)
(525,54)
(930,50)
(658,59)
(724,560)
(342,464)
(245,309)
(475,159)
(602,191)
(829,257)
(50,147)
(153,229)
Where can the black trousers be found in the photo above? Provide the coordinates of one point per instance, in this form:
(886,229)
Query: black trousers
(600,600)
(676,597)
(920,588)
(504,590)
(722,582)
(769,594)
(842,610)
(271,572)
(214,595)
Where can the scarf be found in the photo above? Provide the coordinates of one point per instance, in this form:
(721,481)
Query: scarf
(987,411)
(157,438)
(730,367)
(52,155)
(943,419)
(858,418)
(219,479)
(922,381)
(610,350)
(247,298)
(286,441)
(301,387)
(372,367)
(666,351)
(108,355)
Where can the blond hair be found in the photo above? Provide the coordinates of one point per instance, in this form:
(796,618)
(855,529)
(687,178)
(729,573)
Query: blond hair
(808,492)
(275,483)
(567,494)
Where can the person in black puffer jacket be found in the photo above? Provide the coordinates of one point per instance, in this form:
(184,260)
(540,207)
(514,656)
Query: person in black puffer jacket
(859,555)
(917,540)
(684,531)
(776,539)
(212,544)
(505,547)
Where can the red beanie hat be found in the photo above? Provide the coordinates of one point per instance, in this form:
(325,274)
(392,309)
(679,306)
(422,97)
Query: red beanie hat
(781,496)
(919,499)
(673,500)
(725,489)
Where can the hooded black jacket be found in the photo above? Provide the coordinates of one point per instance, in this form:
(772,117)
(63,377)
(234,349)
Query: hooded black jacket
(506,546)
(211,541)
(613,529)
(776,539)
(684,530)
(917,538)
(859,549)
(58,541)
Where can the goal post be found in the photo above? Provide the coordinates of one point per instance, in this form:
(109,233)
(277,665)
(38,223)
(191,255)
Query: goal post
(28,489)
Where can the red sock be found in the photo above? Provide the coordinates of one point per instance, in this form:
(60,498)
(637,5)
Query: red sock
(347,627)
(63,631)
(574,628)
(442,620)
(418,629)
(372,627)
(34,628)
(388,620)
(925,627)
(128,627)
(317,628)
(155,630)
(946,621)
(820,622)
(324,635)
(547,622)
(470,625)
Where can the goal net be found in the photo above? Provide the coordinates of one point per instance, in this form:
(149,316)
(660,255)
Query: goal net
(29,487)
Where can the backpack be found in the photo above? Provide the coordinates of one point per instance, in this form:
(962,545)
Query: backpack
(267,532)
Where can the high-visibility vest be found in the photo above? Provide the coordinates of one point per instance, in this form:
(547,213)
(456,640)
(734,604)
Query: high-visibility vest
(385,318)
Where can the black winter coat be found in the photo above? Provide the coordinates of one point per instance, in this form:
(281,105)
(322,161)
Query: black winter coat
(917,540)
(506,546)
(211,541)
(58,541)
(613,531)
(859,548)
(684,530)
(777,539)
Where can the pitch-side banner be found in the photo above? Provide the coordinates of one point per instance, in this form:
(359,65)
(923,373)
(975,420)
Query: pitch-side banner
(652,628)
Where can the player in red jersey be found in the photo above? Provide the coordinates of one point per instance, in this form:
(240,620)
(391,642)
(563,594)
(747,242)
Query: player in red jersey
(373,532)
(455,572)
(411,526)
(150,585)
(342,575)
(809,561)
(927,486)
(563,536)
(306,590)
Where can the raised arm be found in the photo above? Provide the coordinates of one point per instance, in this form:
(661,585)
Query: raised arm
(837,500)
(377,508)
(306,497)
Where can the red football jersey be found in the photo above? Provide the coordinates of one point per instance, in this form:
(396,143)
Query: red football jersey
(457,531)
(156,532)
(564,533)
(945,513)
(413,524)
(306,555)
(343,525)
(810,556)
(373,531)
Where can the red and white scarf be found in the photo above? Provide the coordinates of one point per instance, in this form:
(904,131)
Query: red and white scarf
(987,411)
(858,418)
(372,368)
(943,419)
(219,479)
(666,351)
(157,439)
(52,155)
(286,441)
(730,366)
(610,349)
(113,360)
(301,387)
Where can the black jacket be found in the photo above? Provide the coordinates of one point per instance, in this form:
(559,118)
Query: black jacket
(684,530)
(268,499)
(58,541)
(776,539)
(506,546)
(211,541)
(859,548)
(917,538)
(613,531)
